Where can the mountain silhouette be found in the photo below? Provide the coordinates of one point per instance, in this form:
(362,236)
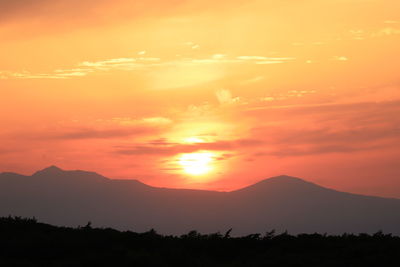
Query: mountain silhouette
(72,198)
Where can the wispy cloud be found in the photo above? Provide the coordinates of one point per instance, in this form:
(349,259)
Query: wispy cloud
(85,68)
(224,96)
(340,58)
(126,64)
(57,74)
(338,128)
(386,32)
(167,148)
(253,80)
(363,34)
(101,129)
(141,63)
(261,60)
(391,22)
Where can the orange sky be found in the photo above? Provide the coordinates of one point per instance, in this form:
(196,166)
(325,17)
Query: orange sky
(204,94)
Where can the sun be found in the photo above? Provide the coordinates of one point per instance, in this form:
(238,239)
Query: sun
(196,163)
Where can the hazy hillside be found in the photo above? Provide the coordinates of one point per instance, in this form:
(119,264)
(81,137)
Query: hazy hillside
(73,198)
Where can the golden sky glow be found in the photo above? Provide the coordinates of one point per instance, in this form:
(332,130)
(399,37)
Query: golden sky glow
(204,94)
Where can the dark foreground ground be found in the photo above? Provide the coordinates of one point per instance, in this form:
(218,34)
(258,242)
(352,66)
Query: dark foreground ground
(25,242)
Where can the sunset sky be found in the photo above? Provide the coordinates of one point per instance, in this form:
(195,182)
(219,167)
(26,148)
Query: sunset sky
(204,94)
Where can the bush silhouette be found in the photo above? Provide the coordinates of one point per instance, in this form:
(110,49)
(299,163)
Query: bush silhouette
(26,242)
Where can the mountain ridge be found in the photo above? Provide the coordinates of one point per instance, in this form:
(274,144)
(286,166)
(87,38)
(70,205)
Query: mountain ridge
(284,178)
(70,198)
(55,170)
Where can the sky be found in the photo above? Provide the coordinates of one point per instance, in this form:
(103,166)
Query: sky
(204,94)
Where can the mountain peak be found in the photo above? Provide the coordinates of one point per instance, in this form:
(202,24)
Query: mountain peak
(50,170)
(285,178)
(56,173)
(279,183)
(282,179)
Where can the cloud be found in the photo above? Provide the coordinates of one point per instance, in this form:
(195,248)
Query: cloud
(314,150)
(57,74)
(258,60)
(162,121)
(262,60)
(103,129)
(162,147)
(253,80)
(340,58)
(140,63)
(224,96)
(110,63)
(99,134)
(348,137)
(85,68)
(360,107)
(6,151)
(218,56)
(387,32)
(252,58)
(391,22)
(332,128)
(362,34)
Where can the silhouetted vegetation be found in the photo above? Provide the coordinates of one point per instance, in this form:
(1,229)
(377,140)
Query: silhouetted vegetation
(25,242)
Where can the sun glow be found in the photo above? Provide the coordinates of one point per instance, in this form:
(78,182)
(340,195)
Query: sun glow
(193,140)
(196,163)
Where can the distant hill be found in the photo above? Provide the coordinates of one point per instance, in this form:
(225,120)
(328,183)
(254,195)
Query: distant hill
(72,198)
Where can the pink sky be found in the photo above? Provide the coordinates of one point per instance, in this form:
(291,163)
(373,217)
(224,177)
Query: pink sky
(236,91)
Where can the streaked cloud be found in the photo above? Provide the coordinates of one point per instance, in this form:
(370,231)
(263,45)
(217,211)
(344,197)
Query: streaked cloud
(340,58)
(57,74)
(392,22)
(363,34)
(386,32)
(261,60)
(168,148)
(114,128)
(339,128)
(253,80)
(141,63)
